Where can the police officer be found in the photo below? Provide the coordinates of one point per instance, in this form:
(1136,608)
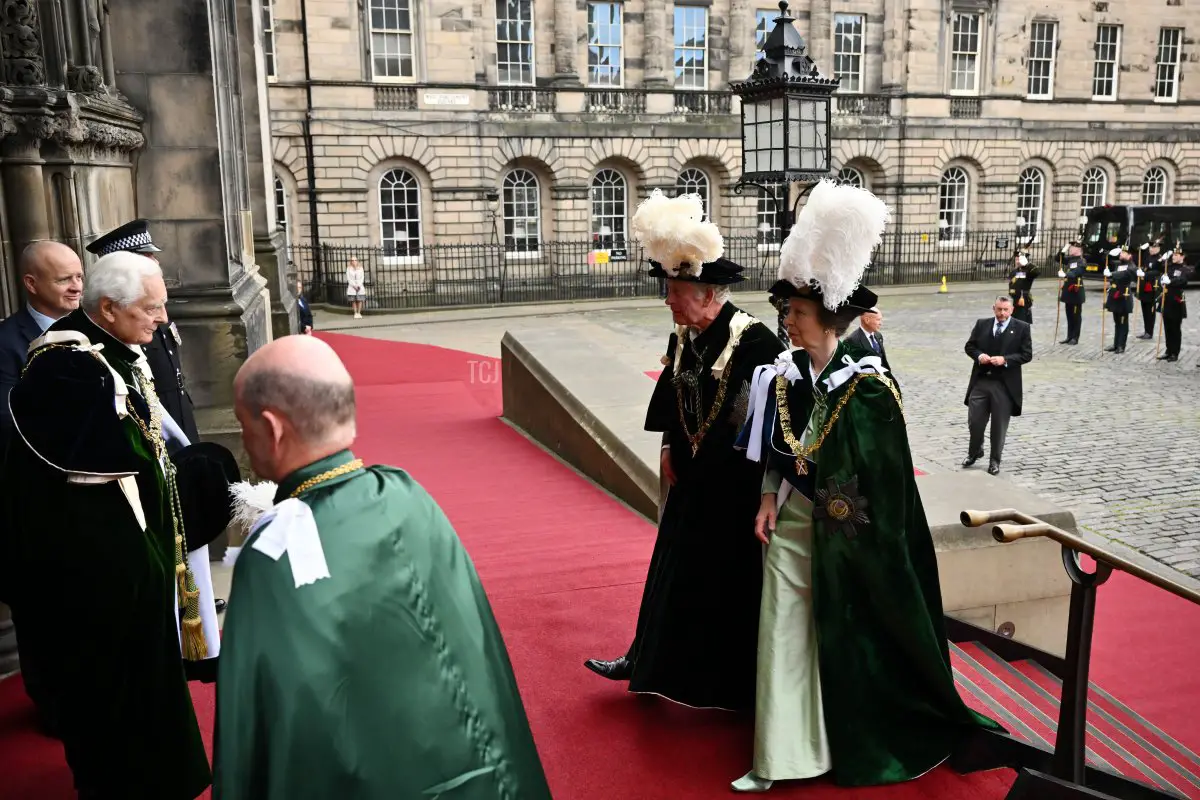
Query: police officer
(1072,295)
(1020,285)
(1174,304)
(163,351)
(1148,274)
(1119,299)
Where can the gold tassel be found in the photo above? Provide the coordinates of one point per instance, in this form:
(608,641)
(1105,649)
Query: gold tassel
(195,648)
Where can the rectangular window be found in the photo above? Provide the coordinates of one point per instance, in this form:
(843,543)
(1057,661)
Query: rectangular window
(1166,78)
(391,40)
(514,42)
(1108,56)
(849,42)
(965,46)
(268,23)
(764,23)
(1043,42)
(691,47)
(606,51)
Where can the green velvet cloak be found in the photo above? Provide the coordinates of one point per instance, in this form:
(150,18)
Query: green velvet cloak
(387,680)
(93,592)
(892,711)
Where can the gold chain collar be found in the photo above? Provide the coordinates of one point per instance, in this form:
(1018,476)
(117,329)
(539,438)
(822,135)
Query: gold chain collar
(328,475)
(798,449)
(697,438)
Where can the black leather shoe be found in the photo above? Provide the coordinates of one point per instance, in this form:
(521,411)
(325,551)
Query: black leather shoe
(1072,341)
(1145,336)
(220,604)
(620,669)
(994,468)
(1172,358)
(1065,341)
(1164,358)
(1112,349)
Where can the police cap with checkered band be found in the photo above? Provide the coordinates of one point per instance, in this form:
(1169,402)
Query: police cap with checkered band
(132,236)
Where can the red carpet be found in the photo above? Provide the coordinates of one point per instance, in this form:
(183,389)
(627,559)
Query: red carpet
(564,564)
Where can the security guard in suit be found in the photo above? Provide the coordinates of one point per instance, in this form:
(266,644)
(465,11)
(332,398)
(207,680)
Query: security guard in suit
(1073,293)
(163,351)
(1020,286)
(1148,276)
(1119,299)
(1174,303)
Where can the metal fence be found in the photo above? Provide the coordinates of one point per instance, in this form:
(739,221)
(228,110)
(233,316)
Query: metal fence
(476,274)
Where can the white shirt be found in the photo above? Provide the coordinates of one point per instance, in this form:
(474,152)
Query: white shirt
(41,319)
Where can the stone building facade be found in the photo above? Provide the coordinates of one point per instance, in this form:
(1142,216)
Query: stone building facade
(434,122)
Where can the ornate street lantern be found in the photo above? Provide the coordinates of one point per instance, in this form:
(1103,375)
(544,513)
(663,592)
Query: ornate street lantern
(786,111)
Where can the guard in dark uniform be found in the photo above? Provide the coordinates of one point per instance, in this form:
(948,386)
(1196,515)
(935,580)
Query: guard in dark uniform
(1119,299)
(1148,275)
(1073,293)
(163,352)
(1020,286)
(1174,304)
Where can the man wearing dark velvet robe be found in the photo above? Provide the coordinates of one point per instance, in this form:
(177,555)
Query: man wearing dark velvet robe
(88,443)
(696,636)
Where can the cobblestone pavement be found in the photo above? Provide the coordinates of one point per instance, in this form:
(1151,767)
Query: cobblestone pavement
(1114,438)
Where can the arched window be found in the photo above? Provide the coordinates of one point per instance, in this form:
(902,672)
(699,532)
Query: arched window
(400,214)
(694,181)
(281,209)
(1093,191)
(953,194)
(1031,197)
(522,212)
(1154,187)
(851,177)
(609,209)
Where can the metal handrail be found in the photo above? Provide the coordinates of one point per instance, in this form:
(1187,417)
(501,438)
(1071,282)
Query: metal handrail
(1030,527)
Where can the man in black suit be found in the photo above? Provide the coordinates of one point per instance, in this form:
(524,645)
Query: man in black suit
(163,350)
(303,311)
(53,279)
(868,335)
(998,347)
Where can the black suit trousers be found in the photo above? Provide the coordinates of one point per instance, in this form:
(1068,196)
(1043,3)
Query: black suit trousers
(1173,334)
(1120,328)
(1074,314)
(1148,314)
(989,400)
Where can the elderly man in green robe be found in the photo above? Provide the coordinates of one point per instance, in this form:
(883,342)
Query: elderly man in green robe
(361,656)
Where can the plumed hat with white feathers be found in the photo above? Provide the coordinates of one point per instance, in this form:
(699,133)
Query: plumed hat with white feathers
(680,243)
(830,246)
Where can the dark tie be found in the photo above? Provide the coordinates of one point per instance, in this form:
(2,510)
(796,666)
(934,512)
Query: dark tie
(997,333)
(874,343)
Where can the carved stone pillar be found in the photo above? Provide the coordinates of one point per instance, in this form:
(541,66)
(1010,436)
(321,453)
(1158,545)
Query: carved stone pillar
(656,44)
(25,188)
(741,40)
(820,35)
(566,73)
(21,44)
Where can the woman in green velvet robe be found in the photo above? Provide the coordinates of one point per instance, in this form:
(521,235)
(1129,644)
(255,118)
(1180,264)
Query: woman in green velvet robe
(854,673)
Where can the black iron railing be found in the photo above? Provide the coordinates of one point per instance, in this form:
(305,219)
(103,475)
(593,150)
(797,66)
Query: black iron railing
(468,274)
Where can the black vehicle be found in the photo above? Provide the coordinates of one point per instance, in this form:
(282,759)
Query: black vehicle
(1112,226)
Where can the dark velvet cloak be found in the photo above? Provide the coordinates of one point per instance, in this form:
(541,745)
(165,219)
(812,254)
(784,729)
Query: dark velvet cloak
(93,591)
(891,708)
(387,680)
(697,631)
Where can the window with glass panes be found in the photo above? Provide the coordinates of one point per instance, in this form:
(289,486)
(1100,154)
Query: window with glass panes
(1154,187)
(268,22)
(1166,75)
(851,177)
(953,192)
(522,207)
(609,209)
(1093,190)
(1031,197)
(691,47)
(281,209)
(400,213)
(848,49)
(965,44)
(514,42)
(1108,53)
(391,39)
(606,51)
(764,23)
(694,181)
(769,232)
(1043,39)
